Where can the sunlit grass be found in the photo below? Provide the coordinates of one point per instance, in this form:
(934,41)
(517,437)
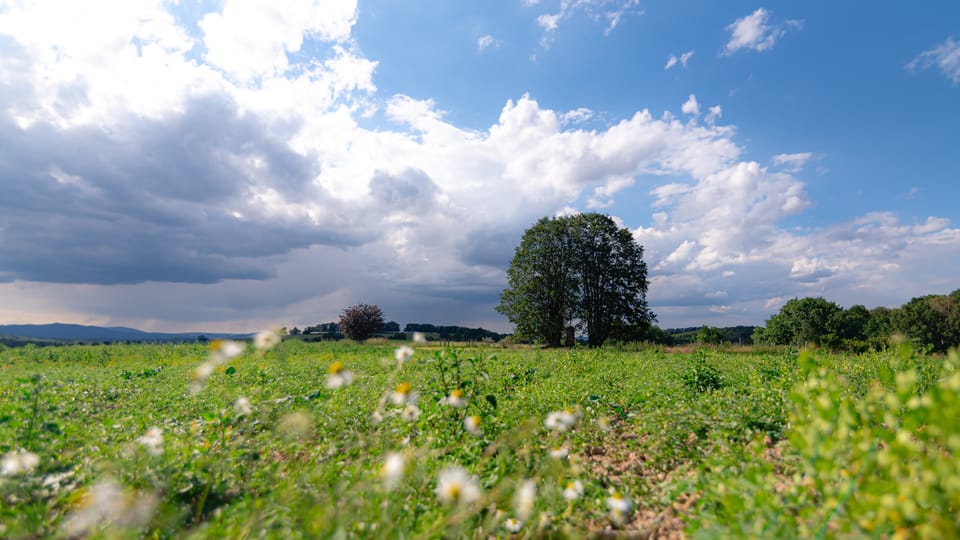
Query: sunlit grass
(336,439)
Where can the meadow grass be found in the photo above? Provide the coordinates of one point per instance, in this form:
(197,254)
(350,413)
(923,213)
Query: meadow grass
(339,440)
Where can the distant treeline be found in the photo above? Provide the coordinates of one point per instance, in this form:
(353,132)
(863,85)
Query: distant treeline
(931,323)
(737,335)
(391,330)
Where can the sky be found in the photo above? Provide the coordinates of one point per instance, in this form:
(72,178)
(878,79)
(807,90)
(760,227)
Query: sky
(236,165)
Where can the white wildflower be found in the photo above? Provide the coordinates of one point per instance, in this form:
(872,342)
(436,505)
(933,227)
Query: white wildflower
(456,399)
(18,462)
(419,337)
(524,499)
(203,371)
(266,339)
(620,507)
(106,503)
(513,525)
(456,486)
(242,406)
(391,471)
(561,420)
(410,413)
(402,354)
(403,394)
(573,491)
(560,452)
(473,425)
(152,440)
(222,350)
(604,424)
(338,375)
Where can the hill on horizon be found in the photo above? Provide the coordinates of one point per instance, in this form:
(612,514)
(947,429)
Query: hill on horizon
(80,332)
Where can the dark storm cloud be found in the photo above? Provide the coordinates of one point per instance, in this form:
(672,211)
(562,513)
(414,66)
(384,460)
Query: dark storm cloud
(490,248)
(155,200)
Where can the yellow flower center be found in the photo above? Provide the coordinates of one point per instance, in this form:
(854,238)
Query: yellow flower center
(457,393)
(335,367)
(404,388)
(454,491)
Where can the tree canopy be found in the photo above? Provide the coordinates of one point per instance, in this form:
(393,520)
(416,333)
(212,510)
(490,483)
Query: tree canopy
(580,271)
(931,322)
(361,321)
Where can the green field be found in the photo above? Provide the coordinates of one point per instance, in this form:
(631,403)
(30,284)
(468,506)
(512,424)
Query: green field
(708,443)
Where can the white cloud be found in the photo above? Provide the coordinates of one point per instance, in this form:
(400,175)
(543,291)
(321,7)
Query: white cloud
(753,32)
(249,40)
(487,41)
(549,22)
(682,60)
(611,12)
(792,162)
(713,114)
(796,24)
(945,56)
(143,154)
(576,116)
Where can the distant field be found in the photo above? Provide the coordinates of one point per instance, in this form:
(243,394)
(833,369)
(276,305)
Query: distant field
(329,442)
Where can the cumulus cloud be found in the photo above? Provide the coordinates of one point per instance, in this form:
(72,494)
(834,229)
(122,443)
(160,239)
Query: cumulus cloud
(673,60)
(945,57)
(146,178)
(755,32)
(249,40)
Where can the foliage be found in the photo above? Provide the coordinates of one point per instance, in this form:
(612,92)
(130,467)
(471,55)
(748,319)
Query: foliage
(931,322)
(783,446)
(738,335)
(708,334)
(453,333)
(865,456)
(700,376)
(800,321)
(581,271)
(361,321)
(540,298)
(645,332)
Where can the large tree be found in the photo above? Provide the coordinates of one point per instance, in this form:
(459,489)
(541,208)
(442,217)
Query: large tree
(800,321)
(932,321)
(581,271)
(542,286)
(361,321)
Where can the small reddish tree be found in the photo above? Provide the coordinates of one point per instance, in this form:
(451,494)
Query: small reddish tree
(361,321)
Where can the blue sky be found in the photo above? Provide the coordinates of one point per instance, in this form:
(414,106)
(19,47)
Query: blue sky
(233,165)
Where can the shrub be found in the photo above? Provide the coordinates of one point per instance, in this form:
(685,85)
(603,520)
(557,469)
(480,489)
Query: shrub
(701,376)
